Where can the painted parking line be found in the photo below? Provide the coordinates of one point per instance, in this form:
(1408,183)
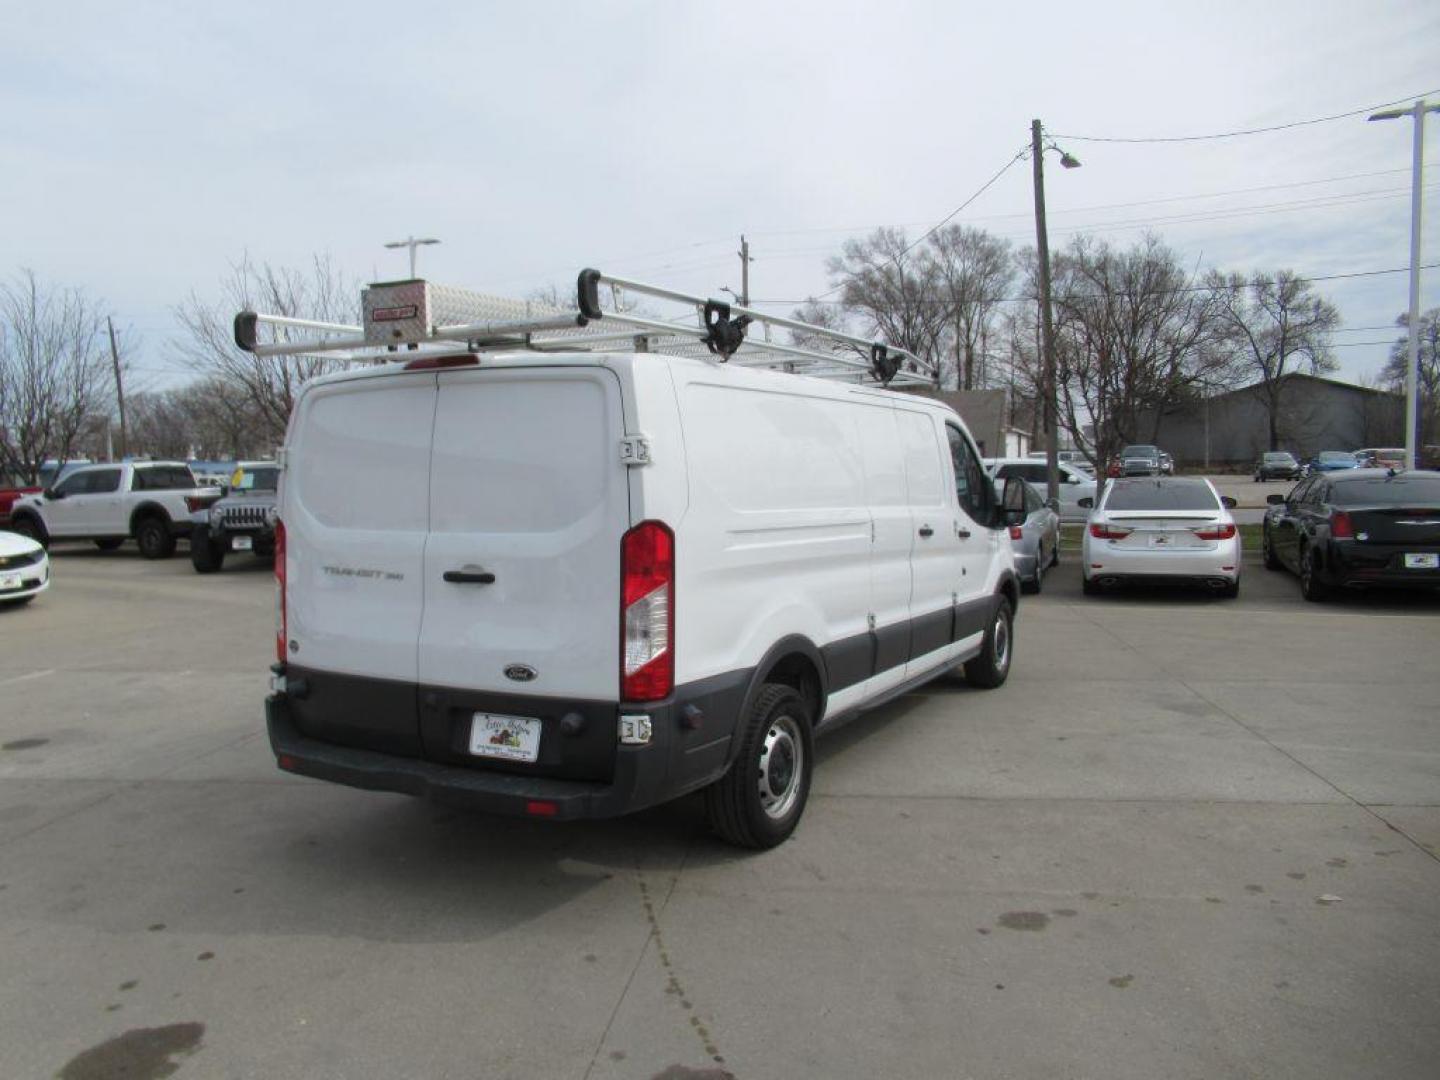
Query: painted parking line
(27,676)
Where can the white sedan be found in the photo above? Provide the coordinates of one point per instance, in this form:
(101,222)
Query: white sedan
(1161,529)
(24,569)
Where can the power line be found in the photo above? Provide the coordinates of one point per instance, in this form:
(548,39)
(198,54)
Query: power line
(1244,131)
(1183,289)
(939,224)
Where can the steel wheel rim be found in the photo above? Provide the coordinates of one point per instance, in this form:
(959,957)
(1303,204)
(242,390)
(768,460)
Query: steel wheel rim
(781,766)
(1002,641)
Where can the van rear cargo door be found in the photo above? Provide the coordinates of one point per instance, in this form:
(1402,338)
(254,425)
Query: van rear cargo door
(356,509)
(528,502)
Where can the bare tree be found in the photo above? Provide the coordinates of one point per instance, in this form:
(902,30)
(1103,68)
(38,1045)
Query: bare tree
(1135,337)
(55,374)
(972,271)
(269,384)
(1279,326)
(1428,380)
(894,289)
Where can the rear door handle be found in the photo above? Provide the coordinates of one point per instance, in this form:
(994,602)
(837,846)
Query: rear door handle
(469,575)
(926,531)
(962,533)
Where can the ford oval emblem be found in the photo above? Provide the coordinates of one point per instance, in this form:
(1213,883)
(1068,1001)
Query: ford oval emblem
(520,672)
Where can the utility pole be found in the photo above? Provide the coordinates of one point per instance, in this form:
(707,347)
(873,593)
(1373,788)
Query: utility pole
(744,254)
(1412,360)
(119,387)
(1047,329)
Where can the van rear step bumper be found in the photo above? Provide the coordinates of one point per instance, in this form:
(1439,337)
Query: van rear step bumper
(638,778)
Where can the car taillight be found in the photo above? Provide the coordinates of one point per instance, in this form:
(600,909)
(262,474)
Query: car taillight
(1217,532)
(281,633)
(1016,532)
(195,503)
(1341,527)
(647,612)
(1108,532)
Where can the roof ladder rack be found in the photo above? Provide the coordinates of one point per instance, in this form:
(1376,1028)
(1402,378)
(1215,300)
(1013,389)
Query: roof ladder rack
(418,315)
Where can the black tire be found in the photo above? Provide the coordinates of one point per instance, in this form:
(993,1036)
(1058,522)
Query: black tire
(1267,552)
(1088,587)
(775,748)
(152,533)
(992,666)
(1311,587)
(205,554)
(1036,583)
(29,527)
(110,543)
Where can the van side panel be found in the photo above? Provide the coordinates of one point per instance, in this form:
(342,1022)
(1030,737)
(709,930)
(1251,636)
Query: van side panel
(776,541)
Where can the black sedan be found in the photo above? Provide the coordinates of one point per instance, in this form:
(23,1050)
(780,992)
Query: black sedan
(1356,528)
(1277,465)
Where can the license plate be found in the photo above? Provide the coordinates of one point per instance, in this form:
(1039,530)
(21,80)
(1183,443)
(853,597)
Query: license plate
(510,738)
(1160,541)
(241,543)
(1422,561)
(9,581)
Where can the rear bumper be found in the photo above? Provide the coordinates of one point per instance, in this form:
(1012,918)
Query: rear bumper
(1361,565)
(1105,563)
(638,776)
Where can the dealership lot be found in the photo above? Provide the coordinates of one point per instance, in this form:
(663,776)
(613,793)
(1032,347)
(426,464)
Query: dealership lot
(1190,837)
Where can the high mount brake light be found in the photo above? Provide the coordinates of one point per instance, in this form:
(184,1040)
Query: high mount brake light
(1216,532)
(1341,527)
(1108,532)
(647,612)
(434,363)
(281,629)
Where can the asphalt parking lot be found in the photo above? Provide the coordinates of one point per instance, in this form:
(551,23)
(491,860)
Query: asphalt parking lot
(1189,838)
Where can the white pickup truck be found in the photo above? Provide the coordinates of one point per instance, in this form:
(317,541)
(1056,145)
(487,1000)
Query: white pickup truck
(150,501)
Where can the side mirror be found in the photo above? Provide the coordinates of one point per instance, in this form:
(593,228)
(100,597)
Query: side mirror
(1227,502)
(51,493)
(1053,504)
(1275,500)
(1068,480)
(1086,503)
(1012,501)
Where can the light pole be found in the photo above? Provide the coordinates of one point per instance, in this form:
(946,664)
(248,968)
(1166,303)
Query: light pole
(1047,330)
(1412,361)
(412,244)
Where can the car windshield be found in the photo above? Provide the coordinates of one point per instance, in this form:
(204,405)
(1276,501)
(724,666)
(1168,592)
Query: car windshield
(1336,456)
(258,478)
(1400,490)
(1161,495)
(1139,451)
(1281,458)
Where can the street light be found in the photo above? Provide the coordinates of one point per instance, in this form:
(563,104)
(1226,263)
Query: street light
(412,244)
(1047,330)
(1412,362)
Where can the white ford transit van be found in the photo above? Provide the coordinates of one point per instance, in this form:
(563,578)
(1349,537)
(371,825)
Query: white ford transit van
(573,585)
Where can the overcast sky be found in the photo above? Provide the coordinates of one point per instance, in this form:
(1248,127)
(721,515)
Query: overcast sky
(146,146)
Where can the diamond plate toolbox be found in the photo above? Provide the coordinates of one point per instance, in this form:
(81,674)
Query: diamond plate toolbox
(405,311)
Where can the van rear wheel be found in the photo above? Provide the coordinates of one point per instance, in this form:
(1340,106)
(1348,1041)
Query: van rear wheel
(758,803)
(992,666)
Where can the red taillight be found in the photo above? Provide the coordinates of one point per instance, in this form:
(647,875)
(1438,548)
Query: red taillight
(541,808)
(1108,532)
(1016,532)
(1219,532)
(433,363)
(194,503)
(1341,527)
(647,612)
(281,631)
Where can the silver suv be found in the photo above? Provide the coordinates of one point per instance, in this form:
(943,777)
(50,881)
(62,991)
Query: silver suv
(242,520)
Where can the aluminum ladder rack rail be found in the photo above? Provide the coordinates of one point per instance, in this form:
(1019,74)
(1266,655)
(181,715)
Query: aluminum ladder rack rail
(422,317)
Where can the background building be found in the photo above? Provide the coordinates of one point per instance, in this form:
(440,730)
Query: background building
(1233,429)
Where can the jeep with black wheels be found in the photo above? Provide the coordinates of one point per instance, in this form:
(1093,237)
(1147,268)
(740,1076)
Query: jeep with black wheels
(242,520)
